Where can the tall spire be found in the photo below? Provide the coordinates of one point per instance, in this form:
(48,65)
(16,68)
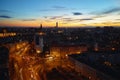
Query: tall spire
(41,26)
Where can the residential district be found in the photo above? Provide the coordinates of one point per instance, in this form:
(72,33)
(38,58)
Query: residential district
(59,53)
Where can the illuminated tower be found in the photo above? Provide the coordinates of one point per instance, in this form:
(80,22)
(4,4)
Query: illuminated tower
(38,40)
(38,43)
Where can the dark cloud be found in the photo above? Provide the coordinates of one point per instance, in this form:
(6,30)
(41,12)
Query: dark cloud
(6,11)
(66,18)
(107,11)
(98,16)
(77,13)
(5,16)
(78,20)
(54,8)
(70,20)
(59,7)
(56,17)
(44,10)
(28,20)
(112,10)
(85,19)
(45,17)
(48,20)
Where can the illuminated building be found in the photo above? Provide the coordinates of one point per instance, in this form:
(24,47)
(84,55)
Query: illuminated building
(38,41)
(64,50)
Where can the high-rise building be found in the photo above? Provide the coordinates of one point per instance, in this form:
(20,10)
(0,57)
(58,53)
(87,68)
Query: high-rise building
(38,40)
(41,26)
(56,25)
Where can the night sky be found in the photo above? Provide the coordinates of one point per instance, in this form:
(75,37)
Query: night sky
(69,13)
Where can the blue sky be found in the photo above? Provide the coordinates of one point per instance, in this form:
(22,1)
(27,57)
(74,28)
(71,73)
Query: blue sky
(47,10)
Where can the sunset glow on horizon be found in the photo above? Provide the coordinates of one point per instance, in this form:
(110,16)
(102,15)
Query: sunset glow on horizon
(69,13)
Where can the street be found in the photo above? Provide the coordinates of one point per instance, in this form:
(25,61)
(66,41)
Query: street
(24,66)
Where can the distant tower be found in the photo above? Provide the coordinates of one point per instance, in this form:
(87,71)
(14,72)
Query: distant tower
(41,26)
(56,25)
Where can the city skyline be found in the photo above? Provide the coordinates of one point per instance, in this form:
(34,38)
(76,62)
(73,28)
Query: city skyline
(69,13)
